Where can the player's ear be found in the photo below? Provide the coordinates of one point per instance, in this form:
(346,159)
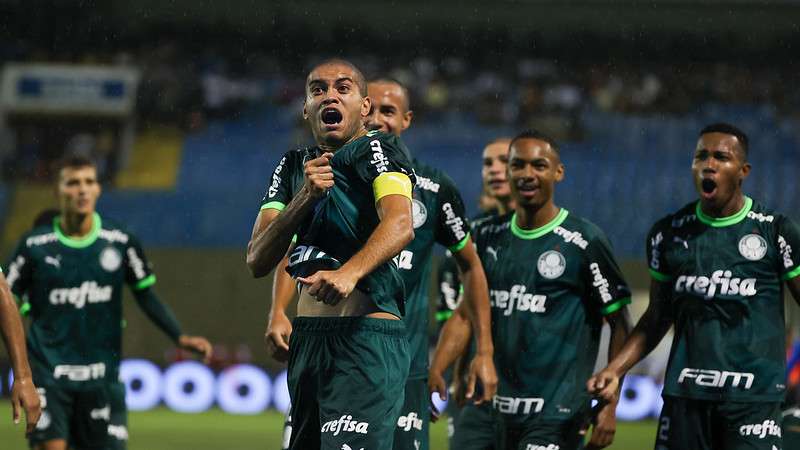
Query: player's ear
(407,119)
(366,106)
(745,171)
(305,110)
(560,172)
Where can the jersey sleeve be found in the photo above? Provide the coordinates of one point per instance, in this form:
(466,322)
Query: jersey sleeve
(383,154)
(607,285)
(452,229)
(138,271)
(19,270)
(279,191)
(449,289)
(789,248)
(655,248)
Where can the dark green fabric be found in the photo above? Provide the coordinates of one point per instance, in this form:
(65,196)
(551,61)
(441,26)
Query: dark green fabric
(159,313)
(538,434)
(548,293)
(727,302)
(474,428)
(80,417)
(346,381)
(413,425)
(118,426)
(75,295)
(791,428)
(711,425)
(439,217)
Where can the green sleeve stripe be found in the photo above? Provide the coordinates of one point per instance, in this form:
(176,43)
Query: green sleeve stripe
(458,247)
(24,309)
(145,283)
(616,306)
(442,316)
(280,206)
(294,239)
(658,276)
(792,274)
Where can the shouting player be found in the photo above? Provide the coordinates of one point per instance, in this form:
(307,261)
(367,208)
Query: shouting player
(71,272)
(552,283)
(348,202)
(718,267)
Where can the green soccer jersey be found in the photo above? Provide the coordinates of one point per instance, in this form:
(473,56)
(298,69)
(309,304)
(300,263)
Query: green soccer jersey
(727,300)
(344,219)
(74,287)
(439,216)
(549,289)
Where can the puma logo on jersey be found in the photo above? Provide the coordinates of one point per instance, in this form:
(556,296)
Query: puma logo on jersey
(345,424)
(517,299)
(455,223)
(716,378)
(720,281)
(52,261)
(276,179)
(407,422)
(761,430)
(492,251)
(379,159)
(88,292)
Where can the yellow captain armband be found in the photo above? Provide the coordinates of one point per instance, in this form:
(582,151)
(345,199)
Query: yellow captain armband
(391,183)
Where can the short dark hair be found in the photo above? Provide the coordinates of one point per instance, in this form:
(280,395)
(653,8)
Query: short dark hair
(45,218)
(535,134)
(392,80)
(726,128)
(359,78)
(71,162)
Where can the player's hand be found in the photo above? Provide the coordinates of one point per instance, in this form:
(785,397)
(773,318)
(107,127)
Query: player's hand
(330,286)
(197,344)
(437,384)
(319,175)
(24,397)
(605,386)
(482,368)
(279,329)
(604,428)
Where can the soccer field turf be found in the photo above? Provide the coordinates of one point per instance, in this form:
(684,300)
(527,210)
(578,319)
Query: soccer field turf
(163,429)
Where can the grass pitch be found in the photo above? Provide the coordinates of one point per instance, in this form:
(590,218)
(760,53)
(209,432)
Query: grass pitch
(162,429)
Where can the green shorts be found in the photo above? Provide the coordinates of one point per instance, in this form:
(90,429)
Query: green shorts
(474,428)
(711,425)
(346,381)
(791,428)
(540,434)
(118,425)
(411,432)
(80,417)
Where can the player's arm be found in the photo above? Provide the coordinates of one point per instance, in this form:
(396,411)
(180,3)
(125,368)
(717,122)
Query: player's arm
(23,392)
(453,341)
(279,327)
(275,227)
(646,335)
(476,303)
(392,191)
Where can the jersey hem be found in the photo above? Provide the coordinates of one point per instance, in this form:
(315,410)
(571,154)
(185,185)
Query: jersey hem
(280,206)
(145,283)
(658,276)
(792,274)
(615,306)
(460,246)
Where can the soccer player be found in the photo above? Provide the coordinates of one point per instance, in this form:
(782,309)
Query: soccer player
(439,216)
(348,201)
(718,266)
(468,424)
(552,283)
(23,392)
(71,273)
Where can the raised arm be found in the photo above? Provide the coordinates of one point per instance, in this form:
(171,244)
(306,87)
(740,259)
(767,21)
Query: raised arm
(274,228)
(23,392)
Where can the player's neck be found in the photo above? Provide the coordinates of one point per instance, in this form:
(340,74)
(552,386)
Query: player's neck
(530,218)
(76,225)
(505,205)
(726,209)
(332,147)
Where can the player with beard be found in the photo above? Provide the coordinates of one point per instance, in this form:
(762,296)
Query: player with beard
(347,202)
(71,271)
(439,216)
(467,423)
(552,283)
(718,268)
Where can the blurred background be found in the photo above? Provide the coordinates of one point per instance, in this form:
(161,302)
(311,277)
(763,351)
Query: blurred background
(188,105)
